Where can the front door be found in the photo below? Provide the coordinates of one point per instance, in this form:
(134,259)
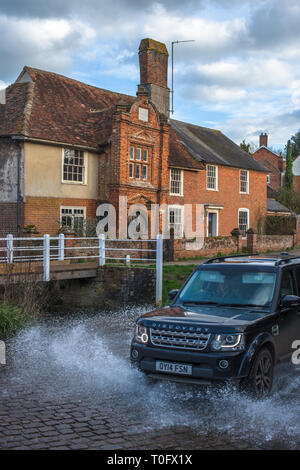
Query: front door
(212,224)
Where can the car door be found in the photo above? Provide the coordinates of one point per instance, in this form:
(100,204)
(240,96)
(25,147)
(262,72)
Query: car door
(289,320)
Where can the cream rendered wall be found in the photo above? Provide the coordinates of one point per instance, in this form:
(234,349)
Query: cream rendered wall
(43,174)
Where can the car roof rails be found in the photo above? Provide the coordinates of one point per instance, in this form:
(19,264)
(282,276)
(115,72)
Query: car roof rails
(287,260)
(220,259)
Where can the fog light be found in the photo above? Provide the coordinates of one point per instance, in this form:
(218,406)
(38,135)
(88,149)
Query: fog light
(223,364)
(134,354)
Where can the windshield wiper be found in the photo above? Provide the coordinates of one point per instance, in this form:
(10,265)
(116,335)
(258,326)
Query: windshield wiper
(244,305)
(199,302)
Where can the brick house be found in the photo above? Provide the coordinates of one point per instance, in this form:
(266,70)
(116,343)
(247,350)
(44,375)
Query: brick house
(66,146)
(270,160)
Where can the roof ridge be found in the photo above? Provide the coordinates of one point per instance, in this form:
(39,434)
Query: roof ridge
(196,125)
(47,72)
(267,148)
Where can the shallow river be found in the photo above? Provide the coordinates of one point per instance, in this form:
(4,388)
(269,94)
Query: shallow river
(74,356)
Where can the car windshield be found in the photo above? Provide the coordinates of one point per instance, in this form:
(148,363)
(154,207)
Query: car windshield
(235,287)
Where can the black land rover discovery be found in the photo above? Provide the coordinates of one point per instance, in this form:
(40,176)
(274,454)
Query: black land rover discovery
(234,318)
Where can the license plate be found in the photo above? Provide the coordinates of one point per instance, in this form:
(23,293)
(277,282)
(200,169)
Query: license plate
(174,368)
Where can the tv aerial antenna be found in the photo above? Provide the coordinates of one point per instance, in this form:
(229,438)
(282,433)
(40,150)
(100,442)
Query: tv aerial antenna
(172,91)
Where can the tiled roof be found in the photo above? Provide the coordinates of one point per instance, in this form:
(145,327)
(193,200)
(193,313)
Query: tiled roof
(179,156)
(47,106)
(275,206)
(211,146)
(56,108)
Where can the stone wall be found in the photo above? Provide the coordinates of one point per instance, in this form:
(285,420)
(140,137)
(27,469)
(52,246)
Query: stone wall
(114,287)
(262,243)
(175,250)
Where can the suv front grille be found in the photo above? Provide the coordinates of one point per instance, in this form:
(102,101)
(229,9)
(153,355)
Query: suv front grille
(179,339)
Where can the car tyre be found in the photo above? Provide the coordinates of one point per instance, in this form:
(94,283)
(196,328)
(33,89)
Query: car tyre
(260,380)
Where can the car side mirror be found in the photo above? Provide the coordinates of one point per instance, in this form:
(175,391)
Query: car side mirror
(290,301)
(172,294)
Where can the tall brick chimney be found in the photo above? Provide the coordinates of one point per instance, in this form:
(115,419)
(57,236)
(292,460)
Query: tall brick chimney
(153,57)
(263,140)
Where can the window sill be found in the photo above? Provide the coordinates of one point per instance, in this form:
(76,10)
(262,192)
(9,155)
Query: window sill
(77,183)
(173,194)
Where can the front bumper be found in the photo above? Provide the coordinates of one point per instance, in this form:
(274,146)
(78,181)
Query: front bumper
(205,365)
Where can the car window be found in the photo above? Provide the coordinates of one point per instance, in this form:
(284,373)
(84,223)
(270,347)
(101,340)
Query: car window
(230,287)
(287,284)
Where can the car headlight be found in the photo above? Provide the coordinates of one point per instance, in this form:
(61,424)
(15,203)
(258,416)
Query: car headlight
(141,334)
(228,342)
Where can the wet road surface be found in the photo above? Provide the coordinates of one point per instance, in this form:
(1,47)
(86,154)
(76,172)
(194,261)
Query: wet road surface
(69,385)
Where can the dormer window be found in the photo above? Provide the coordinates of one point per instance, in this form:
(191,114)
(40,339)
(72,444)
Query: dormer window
(139,163)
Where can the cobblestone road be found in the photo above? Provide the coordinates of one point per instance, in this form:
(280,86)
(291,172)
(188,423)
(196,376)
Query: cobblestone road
(69,385)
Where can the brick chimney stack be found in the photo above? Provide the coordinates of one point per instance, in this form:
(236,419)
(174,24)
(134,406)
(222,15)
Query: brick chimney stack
(263,140)
(153,57)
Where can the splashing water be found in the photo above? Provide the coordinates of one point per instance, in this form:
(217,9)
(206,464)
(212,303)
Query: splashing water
(89,356)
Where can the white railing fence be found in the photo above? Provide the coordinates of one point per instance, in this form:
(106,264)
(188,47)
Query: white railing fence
(46,249)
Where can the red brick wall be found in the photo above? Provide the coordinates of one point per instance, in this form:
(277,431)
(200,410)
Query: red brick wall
(128,130)
(296,181)
(44,212)
(270,160)
(228,195)
(153,68)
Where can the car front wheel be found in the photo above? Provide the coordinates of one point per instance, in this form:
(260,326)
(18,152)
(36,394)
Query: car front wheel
(260,380)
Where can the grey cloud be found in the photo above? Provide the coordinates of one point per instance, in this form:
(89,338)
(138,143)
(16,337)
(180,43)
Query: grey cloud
(17,49)
(88,8)
(274,24)
(292,118)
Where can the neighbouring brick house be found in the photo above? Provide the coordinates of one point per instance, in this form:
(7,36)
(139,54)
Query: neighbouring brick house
(66,146)
(274,163)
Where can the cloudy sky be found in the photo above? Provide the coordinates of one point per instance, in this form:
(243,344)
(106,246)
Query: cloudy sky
(241,75)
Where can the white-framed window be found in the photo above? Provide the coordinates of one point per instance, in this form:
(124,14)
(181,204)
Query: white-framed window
(138,171)
(244,181)
(176,182)
(131,170)
(212,177)
(73,218)
(244,221)
(145,172)
(131,153)
(268,179)
(139,162)
(176,220)
(74,166)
